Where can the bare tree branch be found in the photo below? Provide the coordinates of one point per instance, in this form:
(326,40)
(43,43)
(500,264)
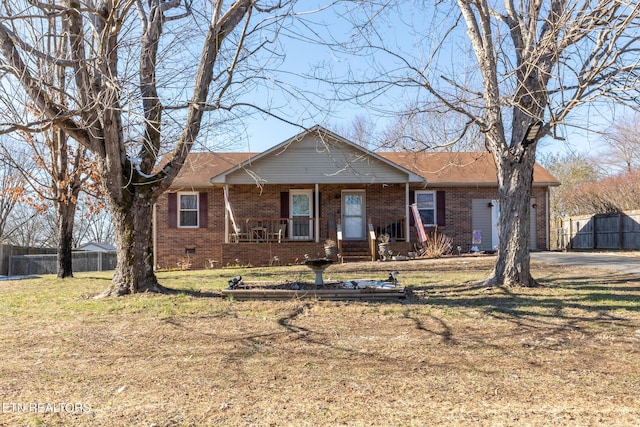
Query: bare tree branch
(129,66)
(533,62)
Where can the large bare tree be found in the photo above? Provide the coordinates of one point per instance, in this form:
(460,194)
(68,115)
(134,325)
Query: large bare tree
(11,192)
(142,76)
(58,171)
(63,170)
(573,170)
(621,152)
(505,67)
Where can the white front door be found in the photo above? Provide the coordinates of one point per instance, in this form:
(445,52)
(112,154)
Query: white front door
(301,224)
(353,215)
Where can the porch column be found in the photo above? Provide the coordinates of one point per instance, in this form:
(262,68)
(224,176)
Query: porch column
(407,230)
(226,216)
(316,213)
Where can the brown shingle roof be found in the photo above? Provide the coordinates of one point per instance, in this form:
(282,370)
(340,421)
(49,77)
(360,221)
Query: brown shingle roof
(456,168)
(440,168)
(199,168)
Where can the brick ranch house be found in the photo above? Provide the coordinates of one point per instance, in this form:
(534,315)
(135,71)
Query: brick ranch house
(282,204)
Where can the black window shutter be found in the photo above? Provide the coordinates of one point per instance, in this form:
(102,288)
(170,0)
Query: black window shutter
(412,200)
(440,208)
(203,208)
(284,204)
(172,203)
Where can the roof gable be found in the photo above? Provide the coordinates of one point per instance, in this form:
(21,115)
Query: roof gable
(316,156)
(320,156)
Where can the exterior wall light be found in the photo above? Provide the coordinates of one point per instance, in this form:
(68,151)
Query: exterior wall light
(532,133)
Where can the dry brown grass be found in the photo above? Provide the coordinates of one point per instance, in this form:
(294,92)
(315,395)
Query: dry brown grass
(564,354)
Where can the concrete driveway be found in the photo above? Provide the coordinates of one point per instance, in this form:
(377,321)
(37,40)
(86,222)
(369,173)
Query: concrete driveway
(610,261)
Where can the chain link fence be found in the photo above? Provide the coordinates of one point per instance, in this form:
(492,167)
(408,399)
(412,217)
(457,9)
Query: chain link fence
(23,265)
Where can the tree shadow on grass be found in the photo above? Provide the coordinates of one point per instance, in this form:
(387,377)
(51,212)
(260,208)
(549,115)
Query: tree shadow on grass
(318,341)
(548,316)
(97,278)
(580,292)
(198,293)
(445,332)
(558,306)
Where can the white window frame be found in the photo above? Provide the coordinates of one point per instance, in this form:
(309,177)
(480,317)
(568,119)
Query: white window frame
(435,207)
(309,194)
(180,210)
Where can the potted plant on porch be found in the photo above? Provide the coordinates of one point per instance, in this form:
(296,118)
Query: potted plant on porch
(383,245)
(330,249)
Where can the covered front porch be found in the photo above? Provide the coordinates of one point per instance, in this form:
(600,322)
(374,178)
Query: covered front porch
(352,216)
(264,241)
(314,187)
(318,230)
(315,213)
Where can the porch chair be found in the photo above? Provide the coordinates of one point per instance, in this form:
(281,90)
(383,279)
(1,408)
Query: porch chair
(278,233)
(238,235)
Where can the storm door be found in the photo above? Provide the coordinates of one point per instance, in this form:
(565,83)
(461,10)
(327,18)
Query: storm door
(301,224)
(353,215)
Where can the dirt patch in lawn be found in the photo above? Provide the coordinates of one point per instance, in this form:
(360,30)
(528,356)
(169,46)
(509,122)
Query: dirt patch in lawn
(562,354)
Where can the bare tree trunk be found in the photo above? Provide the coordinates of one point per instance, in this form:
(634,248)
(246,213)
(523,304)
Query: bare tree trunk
(92,108)
(65,214)
(512,267)
(134,272)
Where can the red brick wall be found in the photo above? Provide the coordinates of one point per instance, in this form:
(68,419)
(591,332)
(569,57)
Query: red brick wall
(458,215)
(263,254)
(541,220)
(173,243)
(251,201)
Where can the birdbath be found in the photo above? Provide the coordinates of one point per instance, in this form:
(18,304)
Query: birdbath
(318,265)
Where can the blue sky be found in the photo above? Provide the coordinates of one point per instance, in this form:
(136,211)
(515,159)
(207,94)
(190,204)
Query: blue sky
(263,132)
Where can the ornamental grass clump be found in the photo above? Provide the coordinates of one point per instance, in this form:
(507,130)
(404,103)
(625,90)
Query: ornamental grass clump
(437,245)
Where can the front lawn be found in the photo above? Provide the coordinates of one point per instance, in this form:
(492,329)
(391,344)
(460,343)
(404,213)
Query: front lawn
(566,353)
